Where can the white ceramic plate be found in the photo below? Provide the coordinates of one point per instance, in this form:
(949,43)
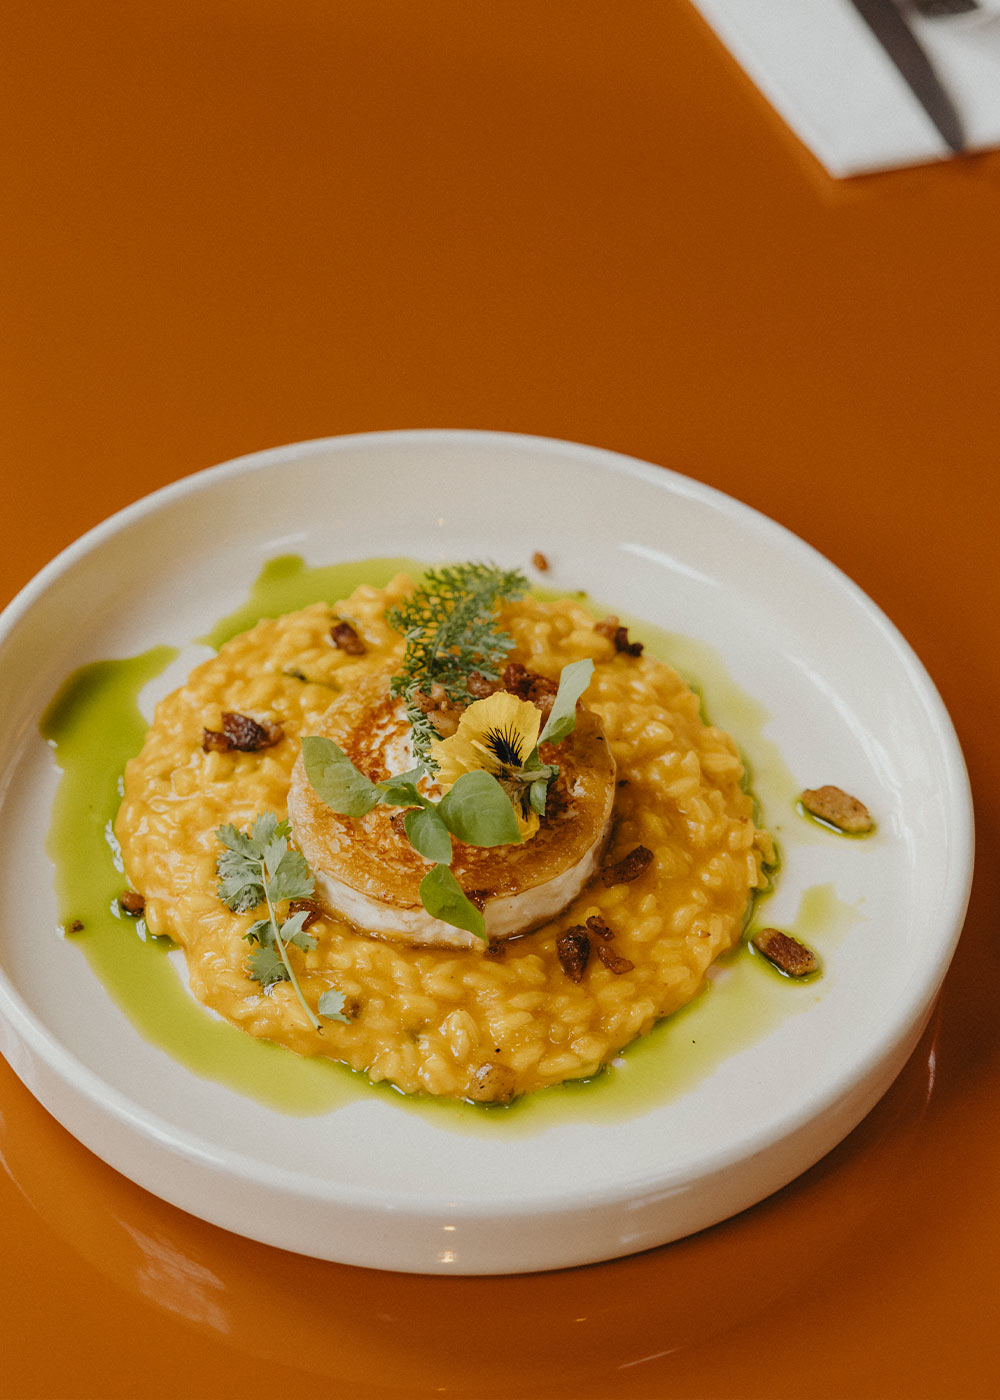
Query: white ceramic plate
(843,700)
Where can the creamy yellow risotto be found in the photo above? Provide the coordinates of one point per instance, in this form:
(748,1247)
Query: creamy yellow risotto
(495,1019)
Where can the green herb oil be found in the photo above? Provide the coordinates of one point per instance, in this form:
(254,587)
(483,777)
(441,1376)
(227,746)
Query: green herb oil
(94,726)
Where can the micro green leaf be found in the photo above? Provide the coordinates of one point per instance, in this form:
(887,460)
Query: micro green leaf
(537,794)
(402,791)
(335,778)
(428,834)
(562,717)
(477,811)
(443,897)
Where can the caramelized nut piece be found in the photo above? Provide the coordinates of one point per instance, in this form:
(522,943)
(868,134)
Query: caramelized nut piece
(629,868)
(573,948)
(540,562)
(132,902)
(492,1083)
(346,639)
(613,961)
(787,953)
(442,711)
(838,808)
(618,636)
(480,686)
(310,907)
(241,733)
(527,685)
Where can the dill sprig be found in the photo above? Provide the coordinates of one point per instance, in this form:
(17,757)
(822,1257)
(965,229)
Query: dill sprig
(450,628)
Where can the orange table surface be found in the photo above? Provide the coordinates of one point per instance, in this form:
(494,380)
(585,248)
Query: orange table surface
(230,224)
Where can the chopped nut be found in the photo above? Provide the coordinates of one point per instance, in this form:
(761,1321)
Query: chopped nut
(787,953)
(540,562)
(242,733)
(529,685)
(618,636)
(573,947)
(215,740)
(613,961)
(442,711)
(480,686)
(310,907)
(838,808)
(346,639)
(75,926)
(433,699)
(492,1083)
(131,902)
(599,927)
(629,868)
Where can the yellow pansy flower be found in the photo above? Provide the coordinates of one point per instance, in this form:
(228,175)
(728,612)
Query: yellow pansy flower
(497,734)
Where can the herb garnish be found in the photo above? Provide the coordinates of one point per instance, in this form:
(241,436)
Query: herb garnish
(449,624)
(259,867)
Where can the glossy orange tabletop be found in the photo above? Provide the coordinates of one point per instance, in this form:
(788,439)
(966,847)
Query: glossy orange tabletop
(230,224)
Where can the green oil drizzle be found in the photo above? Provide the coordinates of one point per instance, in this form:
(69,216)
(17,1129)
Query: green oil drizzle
(94,726)
(288,583)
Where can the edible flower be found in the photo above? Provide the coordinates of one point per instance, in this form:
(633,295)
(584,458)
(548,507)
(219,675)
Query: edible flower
(497,735)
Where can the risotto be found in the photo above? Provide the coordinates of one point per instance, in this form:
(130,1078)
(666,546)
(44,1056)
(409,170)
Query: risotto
(485,1022)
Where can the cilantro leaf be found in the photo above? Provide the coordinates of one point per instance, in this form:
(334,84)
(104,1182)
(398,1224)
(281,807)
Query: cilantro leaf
(261,932)
(267,968)
(331,1005)
(291,879)
(272,854)
(260,867)
(237,841)
(293,932)
(265,828)
(241,885)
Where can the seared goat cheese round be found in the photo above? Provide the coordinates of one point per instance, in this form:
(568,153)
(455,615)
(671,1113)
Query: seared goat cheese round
(367,871)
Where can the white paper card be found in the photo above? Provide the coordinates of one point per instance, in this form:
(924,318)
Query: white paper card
(823,70)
